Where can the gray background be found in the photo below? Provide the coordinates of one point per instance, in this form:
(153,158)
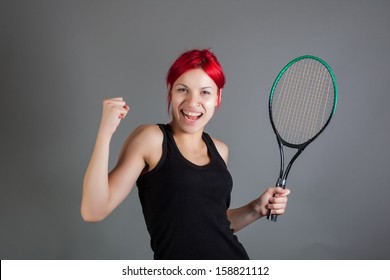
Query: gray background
(60,59)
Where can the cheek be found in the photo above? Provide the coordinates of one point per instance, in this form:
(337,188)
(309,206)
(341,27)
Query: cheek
(212,102)
(175,104)
(175,100)
(210,106)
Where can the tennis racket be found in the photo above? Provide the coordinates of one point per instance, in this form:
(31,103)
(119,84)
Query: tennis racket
(302,102)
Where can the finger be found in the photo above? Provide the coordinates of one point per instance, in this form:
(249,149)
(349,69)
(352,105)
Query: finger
(278,211)
(282,192)
(116,98)
(277,206)
(279,200)
(122,113)
(119,103)
(109,100)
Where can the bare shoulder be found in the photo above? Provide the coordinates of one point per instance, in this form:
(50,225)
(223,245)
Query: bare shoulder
(144,143)
(222,148)
(139,152)
(145,136)
(148,131)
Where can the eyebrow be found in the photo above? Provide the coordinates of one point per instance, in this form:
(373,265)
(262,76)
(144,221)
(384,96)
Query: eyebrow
(183,85)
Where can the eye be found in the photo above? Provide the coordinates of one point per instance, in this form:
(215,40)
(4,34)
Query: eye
(205,92)
(184,90)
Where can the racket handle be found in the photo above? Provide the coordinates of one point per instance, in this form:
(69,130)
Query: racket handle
(274,217)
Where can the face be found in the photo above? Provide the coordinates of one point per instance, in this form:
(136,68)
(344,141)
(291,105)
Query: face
(194,98)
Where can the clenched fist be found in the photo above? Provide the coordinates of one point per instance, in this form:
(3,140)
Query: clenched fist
(114,110)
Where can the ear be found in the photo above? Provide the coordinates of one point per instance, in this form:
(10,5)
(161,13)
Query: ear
(219,98)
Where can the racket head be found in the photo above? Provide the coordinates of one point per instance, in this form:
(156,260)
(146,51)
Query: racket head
(302,100)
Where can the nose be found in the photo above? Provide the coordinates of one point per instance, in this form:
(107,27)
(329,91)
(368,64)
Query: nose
(194,101)
(195,104)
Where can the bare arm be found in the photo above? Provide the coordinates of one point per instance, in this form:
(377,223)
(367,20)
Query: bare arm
(258,208)
(103,191)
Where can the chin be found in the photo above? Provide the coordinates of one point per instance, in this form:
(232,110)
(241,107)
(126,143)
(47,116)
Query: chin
(190,126)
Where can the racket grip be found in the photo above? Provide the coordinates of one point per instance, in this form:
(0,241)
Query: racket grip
(274,217)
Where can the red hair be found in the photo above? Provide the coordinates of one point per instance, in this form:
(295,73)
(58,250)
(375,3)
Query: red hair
(196,59)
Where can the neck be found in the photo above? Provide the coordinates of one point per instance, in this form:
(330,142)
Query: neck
(191,140)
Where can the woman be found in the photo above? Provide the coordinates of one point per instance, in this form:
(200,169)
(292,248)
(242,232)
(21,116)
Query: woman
(180,171)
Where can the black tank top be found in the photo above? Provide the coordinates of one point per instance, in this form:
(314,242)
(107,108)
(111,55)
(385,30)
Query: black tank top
(185,205)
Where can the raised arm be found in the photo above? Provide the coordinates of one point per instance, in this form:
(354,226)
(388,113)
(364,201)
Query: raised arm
(103,191)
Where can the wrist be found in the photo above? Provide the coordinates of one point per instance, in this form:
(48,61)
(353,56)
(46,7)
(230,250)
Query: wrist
(104,135)
(255,209)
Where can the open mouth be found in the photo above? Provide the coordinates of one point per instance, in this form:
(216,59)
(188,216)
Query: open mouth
(191,116)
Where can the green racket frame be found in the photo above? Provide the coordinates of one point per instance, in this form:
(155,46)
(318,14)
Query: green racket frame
(281,182)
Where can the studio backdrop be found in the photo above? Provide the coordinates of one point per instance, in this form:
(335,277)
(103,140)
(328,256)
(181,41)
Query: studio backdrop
(60,59)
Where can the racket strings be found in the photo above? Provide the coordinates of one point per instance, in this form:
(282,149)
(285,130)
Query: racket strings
(302,102)
(299,82)
(315,123)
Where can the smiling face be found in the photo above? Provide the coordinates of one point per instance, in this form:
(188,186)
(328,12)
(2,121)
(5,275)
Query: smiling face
(194,98)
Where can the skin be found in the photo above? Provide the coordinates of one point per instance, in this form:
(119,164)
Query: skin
(194,100)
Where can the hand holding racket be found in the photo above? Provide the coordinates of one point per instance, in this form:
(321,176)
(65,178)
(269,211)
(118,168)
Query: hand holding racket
(302,101)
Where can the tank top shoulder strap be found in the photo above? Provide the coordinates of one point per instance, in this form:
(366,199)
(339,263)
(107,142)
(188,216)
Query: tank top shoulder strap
(169,143)
(162,160)
(164,151)
(166,129)
(212,148)
(163,128)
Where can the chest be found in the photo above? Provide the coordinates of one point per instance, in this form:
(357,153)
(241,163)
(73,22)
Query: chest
(197,156)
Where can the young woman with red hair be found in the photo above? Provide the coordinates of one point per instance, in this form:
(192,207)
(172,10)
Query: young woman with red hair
(180,171)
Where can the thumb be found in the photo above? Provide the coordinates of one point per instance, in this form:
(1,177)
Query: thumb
(279,191)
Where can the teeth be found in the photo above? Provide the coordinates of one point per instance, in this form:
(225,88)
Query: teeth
(192,114)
